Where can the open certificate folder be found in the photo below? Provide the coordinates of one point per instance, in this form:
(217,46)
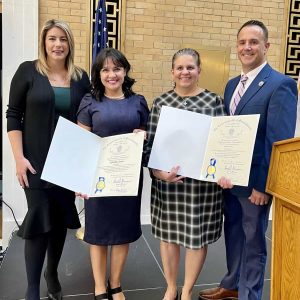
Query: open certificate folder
(206,148)
(84,162)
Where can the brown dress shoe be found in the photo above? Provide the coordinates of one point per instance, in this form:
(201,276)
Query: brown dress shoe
(218,293)
(209,291)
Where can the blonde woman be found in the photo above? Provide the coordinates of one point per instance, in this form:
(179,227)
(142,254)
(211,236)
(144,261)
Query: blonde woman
(41,91)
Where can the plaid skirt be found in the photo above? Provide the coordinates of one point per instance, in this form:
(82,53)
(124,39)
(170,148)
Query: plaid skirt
(188,214)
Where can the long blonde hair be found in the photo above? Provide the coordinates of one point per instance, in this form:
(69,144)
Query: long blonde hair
(42,66)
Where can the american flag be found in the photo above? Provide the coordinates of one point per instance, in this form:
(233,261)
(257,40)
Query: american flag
(100,29)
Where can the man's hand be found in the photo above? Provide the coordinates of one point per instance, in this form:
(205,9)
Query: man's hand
(259,198)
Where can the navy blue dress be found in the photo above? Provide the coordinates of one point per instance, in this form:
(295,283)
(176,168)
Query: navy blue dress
(113,220)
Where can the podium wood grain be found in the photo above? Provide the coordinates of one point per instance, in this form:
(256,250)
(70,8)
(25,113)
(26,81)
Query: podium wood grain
(284,184)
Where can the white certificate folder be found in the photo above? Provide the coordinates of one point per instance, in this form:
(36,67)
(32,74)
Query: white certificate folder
(206,148)
(81,161)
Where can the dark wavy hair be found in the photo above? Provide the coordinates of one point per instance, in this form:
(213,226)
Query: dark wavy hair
(119,60)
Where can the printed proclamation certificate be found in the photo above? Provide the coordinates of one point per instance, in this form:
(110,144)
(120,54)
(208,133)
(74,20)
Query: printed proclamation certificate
(206,148)
(229,148)
(81,161)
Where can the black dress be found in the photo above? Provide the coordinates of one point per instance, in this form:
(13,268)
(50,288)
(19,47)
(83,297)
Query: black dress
(31,109)
(113,220)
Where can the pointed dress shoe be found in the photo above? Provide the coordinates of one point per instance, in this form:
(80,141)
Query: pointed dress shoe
(218,293)
(53,295)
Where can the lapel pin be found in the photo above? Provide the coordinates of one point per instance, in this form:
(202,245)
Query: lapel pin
(261,83)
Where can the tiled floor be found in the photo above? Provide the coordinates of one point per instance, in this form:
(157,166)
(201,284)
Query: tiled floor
(142,280)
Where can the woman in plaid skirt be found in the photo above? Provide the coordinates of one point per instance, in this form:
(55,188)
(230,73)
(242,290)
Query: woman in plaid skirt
(184,211)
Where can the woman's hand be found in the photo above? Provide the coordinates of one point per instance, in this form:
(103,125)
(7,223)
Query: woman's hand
(81,195)
(168,176)
(225,183)
(22,165)
(141,130)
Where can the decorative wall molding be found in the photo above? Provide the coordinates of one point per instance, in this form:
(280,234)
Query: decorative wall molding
(292,53)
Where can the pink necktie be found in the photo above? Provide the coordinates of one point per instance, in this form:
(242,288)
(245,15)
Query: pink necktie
(238,96)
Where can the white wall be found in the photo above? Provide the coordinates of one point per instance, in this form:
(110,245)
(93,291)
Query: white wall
(20,43)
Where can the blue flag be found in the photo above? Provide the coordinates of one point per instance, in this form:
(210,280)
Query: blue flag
(100,29)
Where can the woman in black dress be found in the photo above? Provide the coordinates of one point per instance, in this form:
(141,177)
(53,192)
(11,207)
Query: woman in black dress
(112,108)
(40,92)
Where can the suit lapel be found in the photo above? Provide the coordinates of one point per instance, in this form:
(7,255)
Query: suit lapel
(254,87)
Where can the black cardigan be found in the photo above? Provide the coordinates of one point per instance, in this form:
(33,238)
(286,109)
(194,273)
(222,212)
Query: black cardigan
(31,109)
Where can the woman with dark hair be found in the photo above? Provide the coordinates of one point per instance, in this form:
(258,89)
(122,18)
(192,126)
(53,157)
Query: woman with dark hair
(112,108)
(40,92)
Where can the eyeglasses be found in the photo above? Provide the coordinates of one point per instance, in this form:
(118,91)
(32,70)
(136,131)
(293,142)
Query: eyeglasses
(114,70)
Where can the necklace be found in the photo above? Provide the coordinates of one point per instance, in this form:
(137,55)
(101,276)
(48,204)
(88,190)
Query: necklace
(116,98)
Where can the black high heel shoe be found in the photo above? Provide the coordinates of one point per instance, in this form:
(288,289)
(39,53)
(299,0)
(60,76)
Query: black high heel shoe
(103,296)
(111,291)
(53,296)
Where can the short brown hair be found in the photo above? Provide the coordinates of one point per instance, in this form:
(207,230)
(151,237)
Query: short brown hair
(256,23)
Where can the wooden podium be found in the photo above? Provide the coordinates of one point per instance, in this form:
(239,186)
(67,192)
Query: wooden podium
(284,184)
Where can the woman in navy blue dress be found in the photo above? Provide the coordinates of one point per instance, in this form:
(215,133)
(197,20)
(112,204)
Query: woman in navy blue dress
(112,108)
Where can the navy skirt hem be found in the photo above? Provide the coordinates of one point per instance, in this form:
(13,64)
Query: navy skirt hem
(110,243)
